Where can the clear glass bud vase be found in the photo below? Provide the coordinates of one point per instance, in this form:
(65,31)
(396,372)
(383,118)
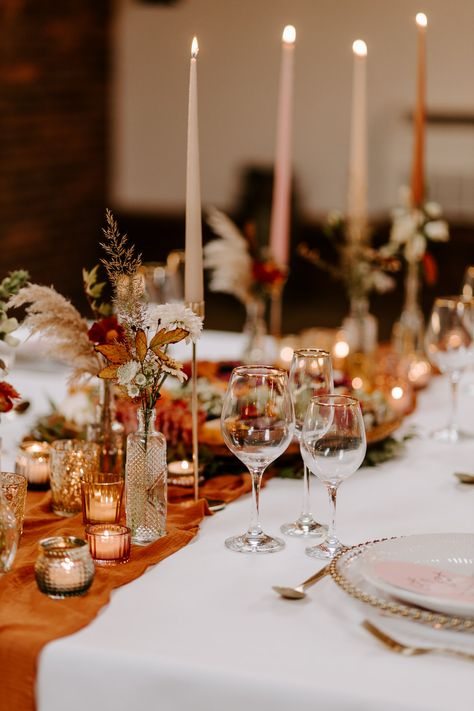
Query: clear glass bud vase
(408,331)
(255,332)
(145,481)
(108,433)
(360,327)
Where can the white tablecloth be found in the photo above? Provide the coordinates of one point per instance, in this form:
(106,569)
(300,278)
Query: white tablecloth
(204,630)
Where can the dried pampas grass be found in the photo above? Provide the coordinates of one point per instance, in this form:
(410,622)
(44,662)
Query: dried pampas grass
(60,324)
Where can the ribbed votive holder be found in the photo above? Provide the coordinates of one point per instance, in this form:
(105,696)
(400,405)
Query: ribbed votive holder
(64,567)
(109,543)
(101,498)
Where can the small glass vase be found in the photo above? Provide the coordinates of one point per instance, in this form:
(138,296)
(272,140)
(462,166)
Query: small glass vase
(360,327)
(146,481)
(9,535)
(255,332)
(108,434)
(408,331)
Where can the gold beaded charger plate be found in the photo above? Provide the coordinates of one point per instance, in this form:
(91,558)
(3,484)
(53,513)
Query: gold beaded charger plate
(349,571)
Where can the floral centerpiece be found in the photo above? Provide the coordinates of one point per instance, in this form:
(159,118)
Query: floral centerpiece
(240,267)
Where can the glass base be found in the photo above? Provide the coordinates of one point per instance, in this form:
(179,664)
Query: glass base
(326,550)
(254,544)
(304,526)
(450,435)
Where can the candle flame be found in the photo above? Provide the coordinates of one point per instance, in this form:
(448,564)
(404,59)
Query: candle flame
(289,34)
(421,19)
(194,48)
(359,48)
(184,464)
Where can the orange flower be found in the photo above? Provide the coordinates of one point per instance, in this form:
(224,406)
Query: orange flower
(7,395)
(430,269)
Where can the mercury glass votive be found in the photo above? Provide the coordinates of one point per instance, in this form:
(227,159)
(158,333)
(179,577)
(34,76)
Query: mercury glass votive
(64,567)
(14,488)
(101,497)
(71,461)
(33,461)
(109,543)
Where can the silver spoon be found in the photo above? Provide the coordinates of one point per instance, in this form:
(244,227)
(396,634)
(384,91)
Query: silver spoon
(464,477)
(298,593)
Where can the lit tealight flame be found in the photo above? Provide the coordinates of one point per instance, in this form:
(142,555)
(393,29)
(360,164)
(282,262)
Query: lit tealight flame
(359,48)
(341,349)
(194,48)
(421,19)
(286,354)
(357,383)
(289,34)
(397,392)
(184,465)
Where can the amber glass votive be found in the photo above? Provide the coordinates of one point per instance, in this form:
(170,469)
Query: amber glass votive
(71,461)
(109,543)
(101,498)
(33,461)
(64,567)
(14,488)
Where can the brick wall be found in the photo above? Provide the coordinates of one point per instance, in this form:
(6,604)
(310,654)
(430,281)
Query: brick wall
(54,57)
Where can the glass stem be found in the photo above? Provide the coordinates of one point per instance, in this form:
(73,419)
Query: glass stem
(306,506)
(254,529)
(332,491)
(452,423)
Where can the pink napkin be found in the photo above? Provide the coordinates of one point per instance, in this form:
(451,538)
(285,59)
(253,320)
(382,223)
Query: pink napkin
(427,580)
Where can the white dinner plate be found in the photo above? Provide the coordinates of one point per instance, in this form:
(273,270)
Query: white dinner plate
(433,571)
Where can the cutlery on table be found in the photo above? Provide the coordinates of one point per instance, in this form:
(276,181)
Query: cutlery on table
(464,477)
(408,650)
(298,593)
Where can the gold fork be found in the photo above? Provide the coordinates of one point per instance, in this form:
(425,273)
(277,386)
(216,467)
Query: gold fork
(407,650)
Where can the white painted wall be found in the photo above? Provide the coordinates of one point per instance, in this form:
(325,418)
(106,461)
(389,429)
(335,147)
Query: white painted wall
(238,80)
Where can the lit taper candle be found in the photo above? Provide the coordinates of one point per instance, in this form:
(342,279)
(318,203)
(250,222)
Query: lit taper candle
(418,168)
(357,191)
(193,273)
(280,218)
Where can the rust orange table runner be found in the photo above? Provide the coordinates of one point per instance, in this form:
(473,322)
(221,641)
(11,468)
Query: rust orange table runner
(29,619)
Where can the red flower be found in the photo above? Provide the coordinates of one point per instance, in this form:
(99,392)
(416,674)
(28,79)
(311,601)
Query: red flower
(266,272)
(430,269)
(107,330)
(7,395)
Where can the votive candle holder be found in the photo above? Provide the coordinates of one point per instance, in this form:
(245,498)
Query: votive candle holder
(109,543)
(33,461)
(102,497)
(14,488)
(71,461)
(64,567)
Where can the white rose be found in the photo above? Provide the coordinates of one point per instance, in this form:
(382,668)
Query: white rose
(437,230)
(433,210)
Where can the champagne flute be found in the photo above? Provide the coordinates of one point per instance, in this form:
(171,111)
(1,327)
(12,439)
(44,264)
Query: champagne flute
(448,344)
(257,424)
(333,444)
(310,375)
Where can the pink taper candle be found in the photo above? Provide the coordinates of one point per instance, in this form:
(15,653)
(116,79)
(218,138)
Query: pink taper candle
(418,177)
(280,218)
(193,271)
(357,192)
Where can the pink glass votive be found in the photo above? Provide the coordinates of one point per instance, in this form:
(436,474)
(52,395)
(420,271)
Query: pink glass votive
(109,543)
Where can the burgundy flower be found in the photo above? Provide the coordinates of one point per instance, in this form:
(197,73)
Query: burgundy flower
(107,330)
(7,395)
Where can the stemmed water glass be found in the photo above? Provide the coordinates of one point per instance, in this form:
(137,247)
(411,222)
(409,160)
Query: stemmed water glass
(449,346)
(257,424)
(310,375)
(333,444)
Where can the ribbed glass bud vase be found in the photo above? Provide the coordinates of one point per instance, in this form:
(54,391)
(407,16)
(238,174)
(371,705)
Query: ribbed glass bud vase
(146,481)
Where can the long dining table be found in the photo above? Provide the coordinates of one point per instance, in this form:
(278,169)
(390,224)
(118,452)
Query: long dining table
(204,630)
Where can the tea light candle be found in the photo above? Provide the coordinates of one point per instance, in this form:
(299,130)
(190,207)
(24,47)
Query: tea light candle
(181,467)
(101,498)
(64,567)
(109,543)
(33,463)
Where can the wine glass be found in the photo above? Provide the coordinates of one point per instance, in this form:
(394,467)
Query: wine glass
(310,375)
(333,445)
(257,424)
(448,344)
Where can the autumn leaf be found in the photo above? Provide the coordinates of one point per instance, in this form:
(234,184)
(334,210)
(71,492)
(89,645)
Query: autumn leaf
(141,344)
(163,337)
(109,372)
(115,352)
